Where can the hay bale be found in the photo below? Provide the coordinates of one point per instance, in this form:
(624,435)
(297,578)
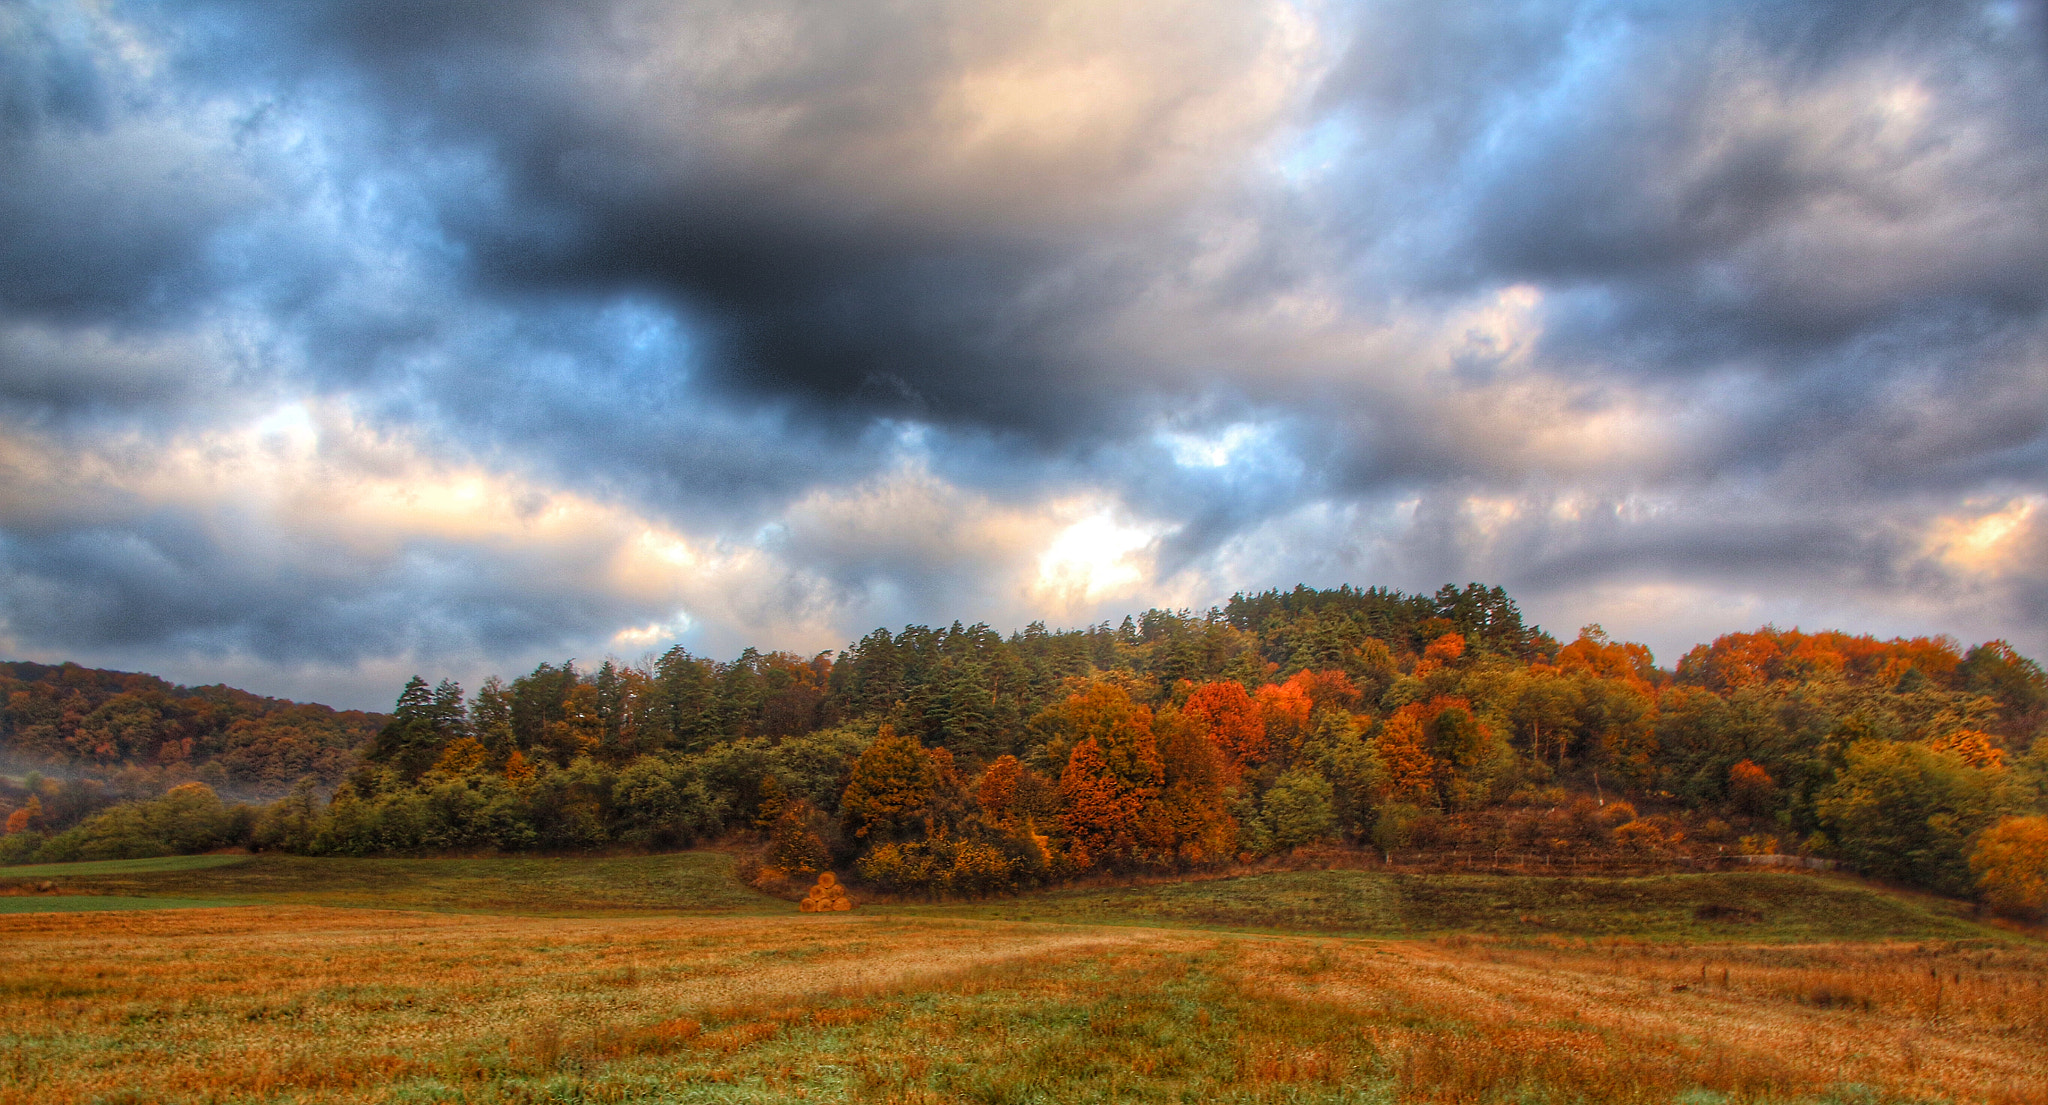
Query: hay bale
(826,897)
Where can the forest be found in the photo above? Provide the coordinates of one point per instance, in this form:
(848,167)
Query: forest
(956,761)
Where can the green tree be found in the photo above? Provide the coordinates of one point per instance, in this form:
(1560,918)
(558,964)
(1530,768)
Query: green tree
(1300,808)
(1900,811)
(421,723)
(2021,689)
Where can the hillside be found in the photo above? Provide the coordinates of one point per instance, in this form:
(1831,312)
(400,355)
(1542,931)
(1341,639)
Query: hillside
(142,734)
(1434,731)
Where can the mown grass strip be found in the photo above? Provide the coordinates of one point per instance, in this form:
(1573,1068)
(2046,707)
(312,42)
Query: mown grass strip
(688,882)
(1730,906)
(90,903)
(1739,906)
(95,867)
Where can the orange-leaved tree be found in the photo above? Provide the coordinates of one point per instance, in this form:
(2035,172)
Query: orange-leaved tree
(1227,715)
(1409,769)
(517,770)
(996,792)
(21,819)
(1110,776)
(1286,708)
(1100,708)
(1751,789)
(1595,654)
(1099,811)
(1190,821)
(1330,689)
(1440,653)
(1978,749)
(2011,864)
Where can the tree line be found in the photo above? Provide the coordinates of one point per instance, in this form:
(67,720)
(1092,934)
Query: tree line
(959,760)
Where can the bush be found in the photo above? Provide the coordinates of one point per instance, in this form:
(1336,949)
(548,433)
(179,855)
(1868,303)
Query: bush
(1395,826)
(2011,864)
(979,869)
(793,846)
(1639,835)
(187,819)
(663,803)
(892,866)
(21,847)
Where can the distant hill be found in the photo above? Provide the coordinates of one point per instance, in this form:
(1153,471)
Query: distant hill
(69,719)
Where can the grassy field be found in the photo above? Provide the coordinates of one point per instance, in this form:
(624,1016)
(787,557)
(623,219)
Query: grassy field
(81,903)
(1286,987)
(100,868)
(692,882)
(1740,906)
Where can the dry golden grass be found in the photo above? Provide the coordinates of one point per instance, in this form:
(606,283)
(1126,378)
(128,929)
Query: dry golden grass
(1625,1020)
(310,1004)
(215,1003)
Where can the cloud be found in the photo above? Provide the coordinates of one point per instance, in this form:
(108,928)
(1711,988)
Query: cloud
(349,335)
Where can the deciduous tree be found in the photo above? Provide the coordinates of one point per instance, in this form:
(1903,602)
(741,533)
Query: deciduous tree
(891,787)
(2011,865)
(1230,718)
(1100,810)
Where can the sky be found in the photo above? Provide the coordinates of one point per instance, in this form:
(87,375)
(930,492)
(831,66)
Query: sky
(346,340)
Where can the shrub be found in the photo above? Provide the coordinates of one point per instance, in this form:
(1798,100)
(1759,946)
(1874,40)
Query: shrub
(979,869)
(1395,826)
(21,847)
(792,845)
(188,818)
(1639,835)
(2011,864)
(894,866)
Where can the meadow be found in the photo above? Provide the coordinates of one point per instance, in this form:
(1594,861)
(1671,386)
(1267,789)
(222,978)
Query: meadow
(662,978)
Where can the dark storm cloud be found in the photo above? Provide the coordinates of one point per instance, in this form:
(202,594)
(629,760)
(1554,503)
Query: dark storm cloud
(1693,190)
(870,300)
(108,203)
(1812,232)
(49,373)
(835,263)
(162,584)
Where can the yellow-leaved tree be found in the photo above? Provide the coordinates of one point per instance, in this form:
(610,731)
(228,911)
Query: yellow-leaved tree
(2011,863)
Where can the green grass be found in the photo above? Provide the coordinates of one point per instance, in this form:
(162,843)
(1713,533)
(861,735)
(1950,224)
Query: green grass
(689,882)
(89,903)
(119,866)
(1740,906)
(1737,906)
